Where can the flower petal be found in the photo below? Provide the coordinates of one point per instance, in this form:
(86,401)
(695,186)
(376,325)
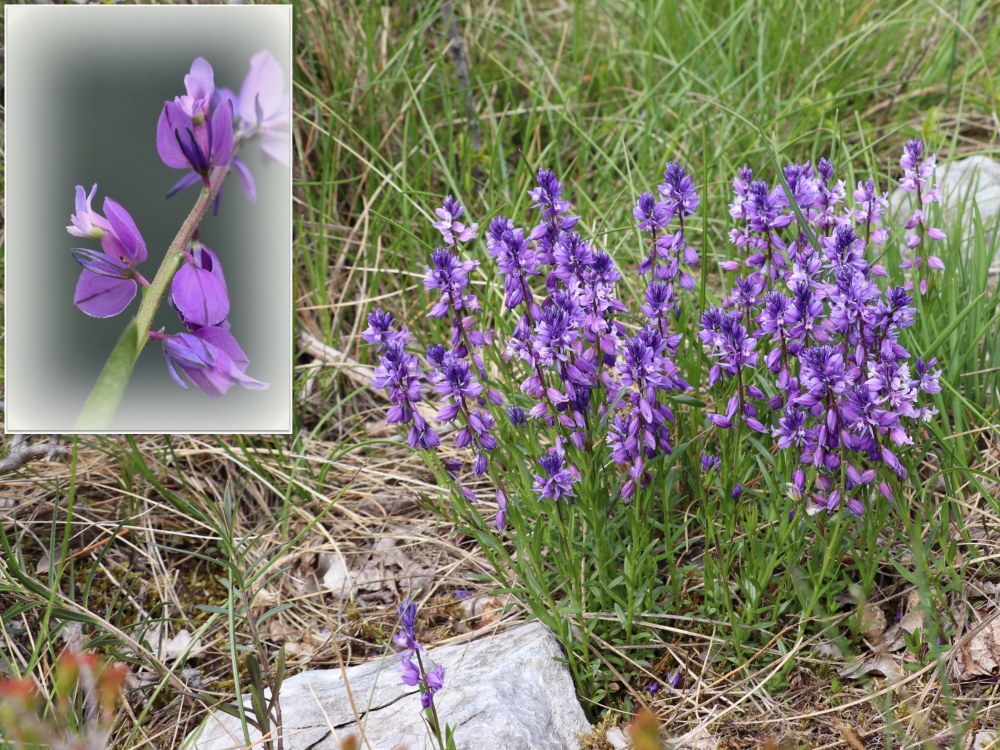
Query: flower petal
(191,178)
(222,134)
(200,82)
(199,296)
(246,179)
(172,118)
(275,144)
(124,227)
(97,262)
(224,340)
(101,296)
(264,86)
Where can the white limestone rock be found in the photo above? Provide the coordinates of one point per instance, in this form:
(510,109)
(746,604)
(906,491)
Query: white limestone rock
(503,692)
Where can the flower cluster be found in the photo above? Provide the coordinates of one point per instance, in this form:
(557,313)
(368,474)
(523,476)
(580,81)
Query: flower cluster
(842,387)
(200,131)
(806,345)
(581,377)
(678,199)
(412,668)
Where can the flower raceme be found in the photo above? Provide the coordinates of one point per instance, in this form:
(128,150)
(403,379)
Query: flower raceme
(413,673)
(805,350)
(200,131)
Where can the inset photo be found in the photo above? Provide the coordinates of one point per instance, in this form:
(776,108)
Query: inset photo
(148,219)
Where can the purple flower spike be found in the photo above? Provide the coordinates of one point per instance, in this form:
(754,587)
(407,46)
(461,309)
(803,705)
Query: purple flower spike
(198,291)
(407,637)
(108,282)
(210,358)
(262,106)
(558,485)
(452,230)
(918,178)
(678,190)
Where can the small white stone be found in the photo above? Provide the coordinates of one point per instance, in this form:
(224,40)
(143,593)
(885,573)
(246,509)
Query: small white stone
(617,739)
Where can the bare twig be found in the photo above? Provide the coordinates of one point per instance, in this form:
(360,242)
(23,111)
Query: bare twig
(22,452)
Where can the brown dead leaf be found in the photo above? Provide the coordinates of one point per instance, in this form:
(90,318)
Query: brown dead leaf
(698,739)
(265,598)
(850,736)
(883,664)
(979,656)
(873,622)
(334,576)
(829,650)
(894,638)
(485,610)
(170,648)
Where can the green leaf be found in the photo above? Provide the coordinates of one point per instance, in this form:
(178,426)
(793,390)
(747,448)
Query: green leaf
(104,399)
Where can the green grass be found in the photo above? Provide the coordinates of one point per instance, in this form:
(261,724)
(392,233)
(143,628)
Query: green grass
(603,93)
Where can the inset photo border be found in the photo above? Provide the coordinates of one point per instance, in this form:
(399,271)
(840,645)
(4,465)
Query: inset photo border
(161,299)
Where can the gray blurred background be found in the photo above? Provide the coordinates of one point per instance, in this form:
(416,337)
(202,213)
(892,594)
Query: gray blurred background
(85,86)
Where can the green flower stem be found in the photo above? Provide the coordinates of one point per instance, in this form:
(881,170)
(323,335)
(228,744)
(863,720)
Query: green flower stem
(103,402)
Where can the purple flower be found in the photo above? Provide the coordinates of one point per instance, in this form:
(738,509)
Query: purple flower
(108,282)
(515,259)
(409,671)
(263,106)
(678,190)
(458,383)
(501,518)
(453,231)
(558,485)
(918,178)
(802,185)
(187,137)
(871,207)
(822,375)
(709,462)
(659,302)
(451,276)
(650,214)
(516,415)
(435,678)
(406,637)
(765,207)
(210,358)
(398,373)
(548,195)
(198,290)
(379,331)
